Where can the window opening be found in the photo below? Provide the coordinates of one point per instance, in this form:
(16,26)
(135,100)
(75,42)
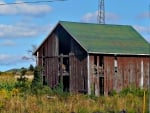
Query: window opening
(95,64)
(115,65)
(101,85)
(101,61)
(66,82)
(44,80)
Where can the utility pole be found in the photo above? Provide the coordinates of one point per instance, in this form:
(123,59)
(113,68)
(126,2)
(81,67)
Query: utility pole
(149,58)
(101,12)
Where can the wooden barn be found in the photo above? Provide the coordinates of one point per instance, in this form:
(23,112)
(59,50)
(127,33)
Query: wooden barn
(94,58)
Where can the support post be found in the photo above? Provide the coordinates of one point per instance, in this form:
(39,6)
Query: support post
(89,78)
(61,70)
(142,75)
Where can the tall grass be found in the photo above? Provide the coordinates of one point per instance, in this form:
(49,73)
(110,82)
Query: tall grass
(12,100)
(73,103)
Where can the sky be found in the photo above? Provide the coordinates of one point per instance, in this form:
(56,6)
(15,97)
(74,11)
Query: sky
(25,26)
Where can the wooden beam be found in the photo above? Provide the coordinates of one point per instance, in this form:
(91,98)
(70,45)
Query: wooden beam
(89,78)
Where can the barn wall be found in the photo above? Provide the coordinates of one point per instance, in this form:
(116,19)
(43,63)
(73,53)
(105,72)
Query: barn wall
(127,73)
(78,68)
(48,60)
(109,75)
(93,76)
(58,46)
(97,74)
(78,74)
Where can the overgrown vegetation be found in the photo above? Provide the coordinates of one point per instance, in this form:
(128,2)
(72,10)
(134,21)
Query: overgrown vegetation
(37,98)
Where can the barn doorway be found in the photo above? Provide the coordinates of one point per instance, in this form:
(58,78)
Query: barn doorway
(66,82)
(64,74)
(101,85)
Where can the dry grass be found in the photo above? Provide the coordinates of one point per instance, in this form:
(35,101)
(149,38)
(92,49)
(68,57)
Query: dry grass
(15,101)
(74,103)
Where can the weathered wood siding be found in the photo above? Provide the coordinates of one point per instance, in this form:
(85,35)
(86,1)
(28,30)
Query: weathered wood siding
(61,43)
(78,68)
(48,60)
(109,75)
(127,73)
(78,74)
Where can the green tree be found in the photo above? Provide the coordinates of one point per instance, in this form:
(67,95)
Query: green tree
(37,84)
(31,67)
(22,80)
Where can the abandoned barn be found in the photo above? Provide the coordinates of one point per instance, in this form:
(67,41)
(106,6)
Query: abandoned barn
(94,58)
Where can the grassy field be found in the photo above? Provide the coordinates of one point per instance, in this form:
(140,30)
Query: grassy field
(13,100)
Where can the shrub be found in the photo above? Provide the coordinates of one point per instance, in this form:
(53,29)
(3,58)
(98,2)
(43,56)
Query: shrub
(58,90)
(112,93)
(7,86)
(132,90)
(82,110)
(36,85)
(31,67)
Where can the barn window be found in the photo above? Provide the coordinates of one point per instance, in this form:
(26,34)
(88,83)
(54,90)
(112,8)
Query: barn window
(101,61)
(95,64)
(43,51)
(95,60)
(115,65)
(44,80)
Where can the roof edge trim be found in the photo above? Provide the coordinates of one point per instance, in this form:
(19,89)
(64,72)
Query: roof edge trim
(129,54)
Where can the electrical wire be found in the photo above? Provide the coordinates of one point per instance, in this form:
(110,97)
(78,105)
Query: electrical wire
(13,3)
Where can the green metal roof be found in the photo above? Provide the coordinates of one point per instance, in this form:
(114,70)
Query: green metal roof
(109,39)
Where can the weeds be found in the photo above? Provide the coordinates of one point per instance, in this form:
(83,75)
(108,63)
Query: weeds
(14,100)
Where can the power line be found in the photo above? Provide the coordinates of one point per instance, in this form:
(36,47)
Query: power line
(34,2)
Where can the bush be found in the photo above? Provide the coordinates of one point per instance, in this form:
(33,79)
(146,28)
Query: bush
(22,82)
(7,86)
(82,110)
(132,90)
(36,85)
(112,93)
(58,90)
(31,67)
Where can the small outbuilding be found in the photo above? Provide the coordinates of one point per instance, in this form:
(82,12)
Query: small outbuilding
(94,58)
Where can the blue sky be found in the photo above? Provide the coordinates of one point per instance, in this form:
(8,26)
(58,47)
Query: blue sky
(22,26)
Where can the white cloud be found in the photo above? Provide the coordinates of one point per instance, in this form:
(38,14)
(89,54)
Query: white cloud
(9,59)
(144,15)
(142,29)
(92,17)
(7,43)
(89,17)
(24,9)
(4,57)
(111,16)
(21,30)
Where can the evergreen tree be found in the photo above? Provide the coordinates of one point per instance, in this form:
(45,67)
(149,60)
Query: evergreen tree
(31,68)
(37,81)
(22,80)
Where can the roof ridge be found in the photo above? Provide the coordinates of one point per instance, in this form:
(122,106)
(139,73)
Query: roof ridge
(93,23)
(99,38)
